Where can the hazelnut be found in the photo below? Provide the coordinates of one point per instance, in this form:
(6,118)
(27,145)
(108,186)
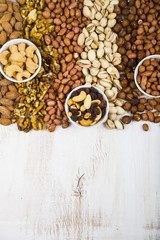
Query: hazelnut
(126,119)
(127,106)
(144,117)
(145,127)
(141,107)
(137,117)
(134,109)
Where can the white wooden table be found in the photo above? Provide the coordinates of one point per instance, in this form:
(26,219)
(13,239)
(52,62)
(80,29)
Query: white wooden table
(75,184)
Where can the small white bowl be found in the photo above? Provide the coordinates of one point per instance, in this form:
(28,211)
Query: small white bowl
(136,74)
(16,42)
(104,97)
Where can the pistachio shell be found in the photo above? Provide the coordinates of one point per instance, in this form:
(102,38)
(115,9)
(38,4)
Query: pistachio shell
(102,74)
(119,124)
(100,52)
(109,124)
(90,28)
(91,55)
(81,39)
(88,3)
(96,63)
(94,71)
(120,110)
(112,116)
(86,12)
(84,63)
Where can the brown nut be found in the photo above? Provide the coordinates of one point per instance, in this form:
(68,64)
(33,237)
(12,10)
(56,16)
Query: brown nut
(145,127)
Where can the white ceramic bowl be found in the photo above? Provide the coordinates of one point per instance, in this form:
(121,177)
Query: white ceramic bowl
(136,74)
(102,120)
(16,42)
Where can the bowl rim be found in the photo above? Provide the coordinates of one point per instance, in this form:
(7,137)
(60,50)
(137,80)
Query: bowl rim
(104,97)
(136,74)
(15,42)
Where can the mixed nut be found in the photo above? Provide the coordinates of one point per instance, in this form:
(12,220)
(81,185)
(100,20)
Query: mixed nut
(89,42)
(19,61)
(86,106)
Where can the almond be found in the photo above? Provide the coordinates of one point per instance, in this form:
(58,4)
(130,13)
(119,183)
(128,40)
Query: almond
(6,17)
(15,34)
(3,37)
(5,121)
(3,7)
(12,95)
(17,16)
(5,111)
(7,27)
(6,102)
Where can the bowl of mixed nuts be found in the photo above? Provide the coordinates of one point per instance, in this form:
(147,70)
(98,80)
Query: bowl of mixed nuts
(20,60)
(147,76)
(87,106)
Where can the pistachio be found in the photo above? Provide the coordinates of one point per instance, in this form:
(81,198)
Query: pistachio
(81,39)
(100,87)
(102,74)
(94,36)
(90,28)
(100,52)
(100,29)
(109,93)
(88,79)
(96,63)
(113,110)
(110,124)
(112,116)
(84,55)
(119,124)
(104,63)
(86,12)
(120,110)
(103,22)
(88,3)
(88,41)
(85,32)
(91,55)
(84,63)
(94,71)
(119,102)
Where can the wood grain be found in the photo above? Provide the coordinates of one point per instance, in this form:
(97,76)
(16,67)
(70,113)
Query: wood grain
(77,184)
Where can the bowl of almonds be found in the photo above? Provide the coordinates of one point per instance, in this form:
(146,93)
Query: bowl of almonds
(87,106)
(20,60)
(147,76)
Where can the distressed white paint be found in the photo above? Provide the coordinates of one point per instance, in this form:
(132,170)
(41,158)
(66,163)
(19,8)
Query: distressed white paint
(118,197)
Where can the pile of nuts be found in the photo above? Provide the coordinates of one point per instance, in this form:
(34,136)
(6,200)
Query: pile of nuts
(86,106)
(29,112)
(68,20)
(138,30)
(35,28)
(96,42)
(8,99)
(19,61)
(149,76)
(10,21)
(100,58)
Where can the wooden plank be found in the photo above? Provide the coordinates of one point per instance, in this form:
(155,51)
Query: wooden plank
(80,184)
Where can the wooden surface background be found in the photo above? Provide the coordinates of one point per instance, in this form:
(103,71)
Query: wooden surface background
(80,184)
